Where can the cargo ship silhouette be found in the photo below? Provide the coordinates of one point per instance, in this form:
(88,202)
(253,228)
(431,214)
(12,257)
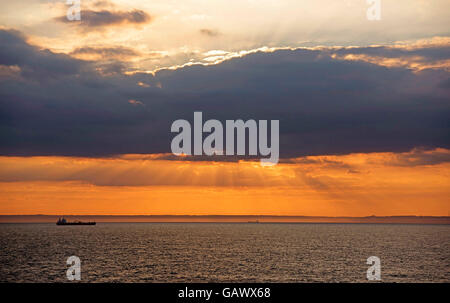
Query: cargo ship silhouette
(63,221)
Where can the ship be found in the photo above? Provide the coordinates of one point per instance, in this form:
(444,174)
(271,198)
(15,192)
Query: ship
(63,221)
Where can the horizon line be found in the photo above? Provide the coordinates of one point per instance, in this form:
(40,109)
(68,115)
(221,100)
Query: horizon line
(399,219)
(227,215)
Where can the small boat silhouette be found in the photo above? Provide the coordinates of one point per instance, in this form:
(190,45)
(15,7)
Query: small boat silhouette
(63,221)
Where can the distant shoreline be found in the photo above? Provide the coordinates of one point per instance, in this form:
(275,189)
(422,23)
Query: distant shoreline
(226,219)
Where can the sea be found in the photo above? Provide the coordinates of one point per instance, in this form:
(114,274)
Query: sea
(224,252)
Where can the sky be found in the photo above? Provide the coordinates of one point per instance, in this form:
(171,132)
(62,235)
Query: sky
(86,106)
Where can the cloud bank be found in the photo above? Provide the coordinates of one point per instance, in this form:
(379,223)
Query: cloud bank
(54,104)
(94,20)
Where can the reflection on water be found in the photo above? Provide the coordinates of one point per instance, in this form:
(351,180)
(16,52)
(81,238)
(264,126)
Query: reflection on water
(210,252)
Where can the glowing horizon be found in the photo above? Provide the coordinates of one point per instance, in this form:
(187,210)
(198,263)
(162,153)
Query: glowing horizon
(382,184)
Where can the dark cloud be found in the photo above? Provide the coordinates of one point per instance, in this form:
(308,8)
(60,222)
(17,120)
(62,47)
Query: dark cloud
(209,32)
(106,52)
(97,19)
(102,4)
(419,157)
(325,106)
(33,62)
(438,52)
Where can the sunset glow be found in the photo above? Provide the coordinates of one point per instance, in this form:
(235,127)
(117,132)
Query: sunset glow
(384,184)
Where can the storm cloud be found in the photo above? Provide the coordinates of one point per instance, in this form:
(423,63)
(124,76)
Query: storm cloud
(59,105)
(91,19)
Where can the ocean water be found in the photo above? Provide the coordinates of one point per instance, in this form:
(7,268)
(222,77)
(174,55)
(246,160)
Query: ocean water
(224,252)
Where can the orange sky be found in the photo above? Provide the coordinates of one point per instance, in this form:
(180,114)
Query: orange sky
(383,184)
(173,34)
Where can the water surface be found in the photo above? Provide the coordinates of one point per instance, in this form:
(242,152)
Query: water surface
(224,252)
